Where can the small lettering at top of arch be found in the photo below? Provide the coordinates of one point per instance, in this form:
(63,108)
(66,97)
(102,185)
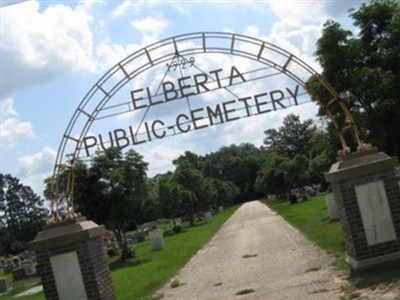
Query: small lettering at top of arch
(182,62)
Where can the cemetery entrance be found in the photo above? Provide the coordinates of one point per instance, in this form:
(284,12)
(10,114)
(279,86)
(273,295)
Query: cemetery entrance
(196,81)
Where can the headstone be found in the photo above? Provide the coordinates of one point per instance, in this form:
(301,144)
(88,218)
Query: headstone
(332,207)
(220,209)
(208,217)
(368,197)
(156,239)
(7,268)
(27,255)
(18,273)
(3,285)
(28,266)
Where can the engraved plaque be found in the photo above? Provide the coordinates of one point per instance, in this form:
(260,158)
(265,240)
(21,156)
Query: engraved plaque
(375,212)
(68,276)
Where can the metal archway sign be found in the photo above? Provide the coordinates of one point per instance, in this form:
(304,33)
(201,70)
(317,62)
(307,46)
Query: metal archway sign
(174,55)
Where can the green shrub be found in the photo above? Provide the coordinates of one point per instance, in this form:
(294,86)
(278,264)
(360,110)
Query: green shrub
(177,229)
(111,251)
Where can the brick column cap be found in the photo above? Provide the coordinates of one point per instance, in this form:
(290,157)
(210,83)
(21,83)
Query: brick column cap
(360,164)
(66,232)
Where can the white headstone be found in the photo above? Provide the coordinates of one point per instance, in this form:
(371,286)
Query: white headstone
(68,276)
(208,216)
(156,239)
(332,207)
(375,212)
(28,266)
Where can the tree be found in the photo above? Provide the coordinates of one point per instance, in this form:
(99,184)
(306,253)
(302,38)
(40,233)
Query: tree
(296,154)
(322,155)
(189,160)
(151,206)
(22,214)
(191,181)
(227,192)
(237,164)
(170,197)
(364,68)
(273,175)
(120,182)
(292,138)
(210,191)
(111,191)
(82,187)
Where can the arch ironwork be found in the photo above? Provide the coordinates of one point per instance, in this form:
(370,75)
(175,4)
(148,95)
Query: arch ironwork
(166,50)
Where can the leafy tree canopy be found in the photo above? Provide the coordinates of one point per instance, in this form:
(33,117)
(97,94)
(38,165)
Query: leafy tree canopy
(22,214)
(365,69)
(297,154)
(111,191)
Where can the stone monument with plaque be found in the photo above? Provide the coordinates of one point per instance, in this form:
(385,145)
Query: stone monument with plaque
(368,198)
(71,261)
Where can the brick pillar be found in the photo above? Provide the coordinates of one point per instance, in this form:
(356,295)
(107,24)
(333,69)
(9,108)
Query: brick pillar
(368,198)
(71,261)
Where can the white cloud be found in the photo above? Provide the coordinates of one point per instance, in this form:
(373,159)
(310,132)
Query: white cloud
(137,7)
(124,8)
(88,4)
(39,163)
(34,169)
(161,156)
(300,24)
(7,108)
(298,11)
(37,46)
(108,53)
(311,11)
(151,28)
(298,40)
(252,30)
(12,130)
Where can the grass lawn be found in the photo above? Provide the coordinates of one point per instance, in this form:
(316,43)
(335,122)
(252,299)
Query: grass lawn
(311,217)
(20,286)
(139,278)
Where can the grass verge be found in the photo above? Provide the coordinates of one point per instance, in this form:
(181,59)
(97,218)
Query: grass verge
(160,266)
(140,277)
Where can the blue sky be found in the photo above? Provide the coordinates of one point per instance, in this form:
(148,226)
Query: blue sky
(53,52)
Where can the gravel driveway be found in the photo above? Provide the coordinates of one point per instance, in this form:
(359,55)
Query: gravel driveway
(260,255)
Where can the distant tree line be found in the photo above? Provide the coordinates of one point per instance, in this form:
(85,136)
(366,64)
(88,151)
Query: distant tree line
(114,189)
(22,214)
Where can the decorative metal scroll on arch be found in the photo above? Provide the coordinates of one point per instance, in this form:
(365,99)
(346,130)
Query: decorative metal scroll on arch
(188,69)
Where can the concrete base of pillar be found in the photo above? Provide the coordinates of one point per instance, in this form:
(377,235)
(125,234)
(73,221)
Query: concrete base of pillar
(374,261)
